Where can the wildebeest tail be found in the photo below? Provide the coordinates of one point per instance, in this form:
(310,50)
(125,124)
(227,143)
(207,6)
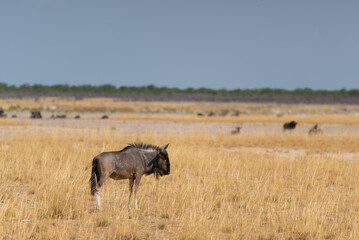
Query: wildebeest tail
(94,176)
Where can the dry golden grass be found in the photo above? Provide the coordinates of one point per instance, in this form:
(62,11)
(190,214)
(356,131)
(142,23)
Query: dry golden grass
(13,122)
(215,190)
(246,186)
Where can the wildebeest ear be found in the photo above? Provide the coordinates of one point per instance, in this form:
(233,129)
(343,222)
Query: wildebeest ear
(164,147)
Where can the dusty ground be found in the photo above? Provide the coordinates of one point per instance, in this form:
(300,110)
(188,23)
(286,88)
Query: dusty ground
(47,126)
(150,125)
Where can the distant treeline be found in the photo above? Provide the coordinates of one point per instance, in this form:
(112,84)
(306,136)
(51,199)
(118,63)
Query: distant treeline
(151,89)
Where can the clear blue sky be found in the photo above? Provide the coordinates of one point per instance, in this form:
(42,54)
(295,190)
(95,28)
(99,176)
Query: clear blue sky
(185,43)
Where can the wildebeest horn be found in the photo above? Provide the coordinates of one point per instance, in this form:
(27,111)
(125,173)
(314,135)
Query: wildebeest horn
(164,147)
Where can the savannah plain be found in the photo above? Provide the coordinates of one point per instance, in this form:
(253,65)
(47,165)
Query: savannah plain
(262,183)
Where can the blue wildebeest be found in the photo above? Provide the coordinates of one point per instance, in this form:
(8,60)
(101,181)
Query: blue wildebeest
(290,125)
(132,162)
(35,114)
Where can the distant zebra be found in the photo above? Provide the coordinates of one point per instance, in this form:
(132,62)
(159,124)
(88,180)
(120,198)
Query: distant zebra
(290,125)
(236,131)
(315,130)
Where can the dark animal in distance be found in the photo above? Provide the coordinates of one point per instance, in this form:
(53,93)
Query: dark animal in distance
(77,116)
(35,114)
(132,162)
(58,116)
(314,130)
(290,125)
(236,131)
(235,113)
(2,113)
(104,117)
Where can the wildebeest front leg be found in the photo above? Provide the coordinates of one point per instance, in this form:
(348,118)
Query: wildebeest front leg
(137,184)
(131,181)
(98,200)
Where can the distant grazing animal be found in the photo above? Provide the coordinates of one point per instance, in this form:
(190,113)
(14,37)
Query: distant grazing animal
(211,114)
(77,116)
(14,116)
(236,131)
(58,116)
(314,130)
(132,162)
(2,113)
(61,116)
(223,113)
(35,114)
(104,117)
(290,125)
(235,113)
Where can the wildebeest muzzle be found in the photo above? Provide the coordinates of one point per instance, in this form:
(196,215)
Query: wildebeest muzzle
(168,166)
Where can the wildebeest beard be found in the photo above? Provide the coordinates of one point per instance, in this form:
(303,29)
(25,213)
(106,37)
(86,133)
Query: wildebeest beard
(154,168)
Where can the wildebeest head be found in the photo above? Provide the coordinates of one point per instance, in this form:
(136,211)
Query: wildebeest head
(161,163)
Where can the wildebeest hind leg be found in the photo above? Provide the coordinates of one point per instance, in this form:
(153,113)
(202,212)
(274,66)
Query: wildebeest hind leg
(137,182)
(100,183)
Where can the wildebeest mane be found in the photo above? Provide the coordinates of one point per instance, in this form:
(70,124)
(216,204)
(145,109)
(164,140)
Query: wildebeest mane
(142,146)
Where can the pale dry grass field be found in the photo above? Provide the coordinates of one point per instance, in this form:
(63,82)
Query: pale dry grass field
(183,111)
(253,185)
